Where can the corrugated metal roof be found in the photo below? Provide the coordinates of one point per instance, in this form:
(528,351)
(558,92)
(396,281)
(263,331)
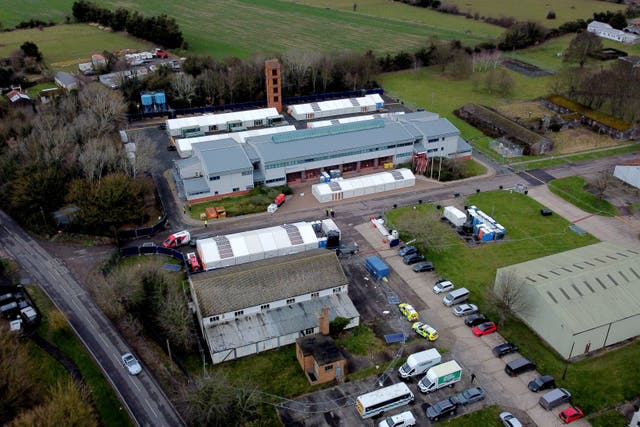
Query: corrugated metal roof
(195,186)
(586,287)
(277,322)
(222,156)
(223,118)
(247,285)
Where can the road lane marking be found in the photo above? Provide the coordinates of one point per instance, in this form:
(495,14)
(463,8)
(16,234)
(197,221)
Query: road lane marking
(104,340)
(135,384)
(149,405)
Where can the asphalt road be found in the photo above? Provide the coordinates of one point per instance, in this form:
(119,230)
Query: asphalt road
(141,394)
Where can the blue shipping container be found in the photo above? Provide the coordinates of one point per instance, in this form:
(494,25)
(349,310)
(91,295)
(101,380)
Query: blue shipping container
(376,267)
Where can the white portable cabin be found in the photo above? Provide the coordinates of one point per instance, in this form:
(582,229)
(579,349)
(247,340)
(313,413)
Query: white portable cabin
(254,245)
(368,184)
(213,122)
(324,123)
(185,145)
(455,215)
(336,107)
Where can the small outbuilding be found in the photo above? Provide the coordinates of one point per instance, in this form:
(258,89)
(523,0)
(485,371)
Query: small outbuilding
(319,356)
(582,300)
(66,81)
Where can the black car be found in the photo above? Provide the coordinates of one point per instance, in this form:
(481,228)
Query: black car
(412,259)
(475,319)
(504,349)
(423,266)
(407,250)
(441,409)
(542,383)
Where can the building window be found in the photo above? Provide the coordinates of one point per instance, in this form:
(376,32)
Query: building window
(337,290)
(328,368)
(315,295)
(433,140)
(274,72)
(265,306)
(291,300)
(238,313)
(274,81)
(308,331)
(275,99)
(245,173)
(214,178)
(257,122)
(236,189)
(275,90)
(214,319)
(215,193)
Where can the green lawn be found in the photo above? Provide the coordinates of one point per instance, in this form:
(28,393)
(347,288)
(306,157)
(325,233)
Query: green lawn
(64,46)
(360,340)
(246,27)
(427,88)
(572,190)
(485,417)
(609,419)
(109,407)
(566,10)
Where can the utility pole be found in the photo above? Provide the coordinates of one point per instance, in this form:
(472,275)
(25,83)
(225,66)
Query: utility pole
(439,168)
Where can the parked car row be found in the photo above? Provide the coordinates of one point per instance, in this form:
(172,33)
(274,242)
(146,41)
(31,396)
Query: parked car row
(411,256)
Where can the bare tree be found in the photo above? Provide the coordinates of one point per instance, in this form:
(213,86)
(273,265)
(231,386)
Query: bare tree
(100,156)
(584,44)
(106,106)
(325,67)
(509,295)
(143,159)
(296,67)
(183,87)
(426,228)
(601,183)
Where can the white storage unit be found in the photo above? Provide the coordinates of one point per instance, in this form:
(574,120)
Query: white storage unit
(455,215)
(212,122)
(240,248)
(324,123)
(368,184)
(629,173)
(336,107)
(184,145)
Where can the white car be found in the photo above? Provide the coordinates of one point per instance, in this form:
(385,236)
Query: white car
(509,420)
(443,286)
(465,309)
(130,362)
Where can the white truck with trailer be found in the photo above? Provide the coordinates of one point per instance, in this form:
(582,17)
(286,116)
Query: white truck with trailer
(445,374)
(419,363)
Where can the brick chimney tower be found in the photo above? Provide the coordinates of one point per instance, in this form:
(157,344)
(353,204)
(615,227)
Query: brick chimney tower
(274,84)
(324,321)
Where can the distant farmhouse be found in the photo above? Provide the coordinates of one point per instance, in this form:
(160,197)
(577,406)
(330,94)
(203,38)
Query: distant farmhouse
(259,306)
(606,31)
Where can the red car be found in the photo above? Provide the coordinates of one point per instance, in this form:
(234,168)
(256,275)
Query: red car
(192,259)
(485,328)
(571,414)
(161,54)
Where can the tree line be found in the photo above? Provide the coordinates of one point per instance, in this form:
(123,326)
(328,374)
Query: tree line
(160,29)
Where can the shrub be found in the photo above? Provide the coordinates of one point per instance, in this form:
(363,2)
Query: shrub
(551,15)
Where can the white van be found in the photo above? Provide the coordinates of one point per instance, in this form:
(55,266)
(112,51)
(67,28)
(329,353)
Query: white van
(456,296)
(399,420)
(419,363)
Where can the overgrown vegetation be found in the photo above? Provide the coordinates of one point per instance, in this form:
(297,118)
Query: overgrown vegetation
(611,418)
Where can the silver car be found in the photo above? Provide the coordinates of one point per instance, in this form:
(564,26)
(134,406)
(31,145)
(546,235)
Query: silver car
(508,420)
(465,309)
(130,362)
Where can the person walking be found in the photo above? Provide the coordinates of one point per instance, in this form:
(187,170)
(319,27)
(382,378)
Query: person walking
(206,223)
(473,377)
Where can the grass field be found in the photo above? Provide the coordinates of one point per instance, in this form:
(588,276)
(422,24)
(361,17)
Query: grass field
(609,419)
(246,27)
(485,417)
(572,190)
(427,88)
(64,46)
(566,10)
(108,405)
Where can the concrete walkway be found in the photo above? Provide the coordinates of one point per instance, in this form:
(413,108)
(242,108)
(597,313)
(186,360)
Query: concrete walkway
(472,353)
(608,229)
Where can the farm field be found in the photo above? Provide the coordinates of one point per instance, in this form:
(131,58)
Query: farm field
(246,27)
(566,10)
(427,88)
(64,46)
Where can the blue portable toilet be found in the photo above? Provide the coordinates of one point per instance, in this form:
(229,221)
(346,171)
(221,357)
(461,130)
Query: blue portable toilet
(147,99)
(160,98)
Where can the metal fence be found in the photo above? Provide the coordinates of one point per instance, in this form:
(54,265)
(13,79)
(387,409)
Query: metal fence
(505,148)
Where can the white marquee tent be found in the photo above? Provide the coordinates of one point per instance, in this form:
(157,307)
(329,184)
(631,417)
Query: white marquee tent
(336,107)
(254,245)
(363,185)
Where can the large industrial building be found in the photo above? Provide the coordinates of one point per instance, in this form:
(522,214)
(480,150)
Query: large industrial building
(259,306)
(225,166)
(584,299)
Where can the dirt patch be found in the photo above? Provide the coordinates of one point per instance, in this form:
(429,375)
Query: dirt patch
(579,139)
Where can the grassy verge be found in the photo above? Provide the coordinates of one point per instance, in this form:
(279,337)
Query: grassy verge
(360,340)
(256,201)
(474,168)
(108,405)
(550,162)
(572,190)
(485,417)
(609,419)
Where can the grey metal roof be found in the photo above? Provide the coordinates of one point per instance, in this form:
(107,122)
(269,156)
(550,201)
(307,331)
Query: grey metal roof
(586,287)
(251,153)
(222,156)
(261,282)
(439,127)
(463,146)
(188,162)
(66,78)
(195,186)
(277,322)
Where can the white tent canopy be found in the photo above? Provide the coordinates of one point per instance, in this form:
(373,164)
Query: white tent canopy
(240,248)
(336,107)
(363,185)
